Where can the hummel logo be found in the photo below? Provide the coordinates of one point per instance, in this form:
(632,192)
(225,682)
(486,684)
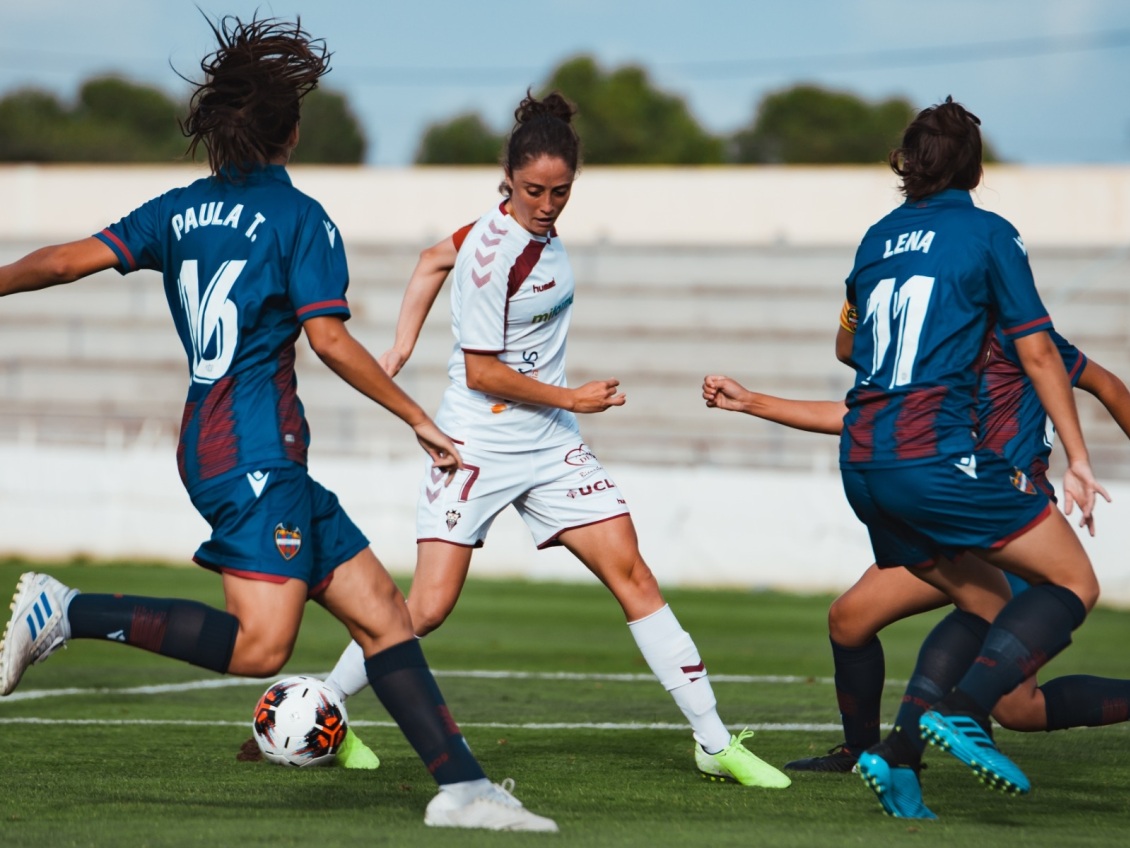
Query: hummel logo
(117,636)
(967,465)
(258,481)
(331,231)
(1020,243)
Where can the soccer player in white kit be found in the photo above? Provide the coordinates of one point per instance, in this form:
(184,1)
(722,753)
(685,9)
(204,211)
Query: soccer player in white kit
(513,416)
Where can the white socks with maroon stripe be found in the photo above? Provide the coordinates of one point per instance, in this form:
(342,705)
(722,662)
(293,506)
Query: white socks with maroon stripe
(673,658)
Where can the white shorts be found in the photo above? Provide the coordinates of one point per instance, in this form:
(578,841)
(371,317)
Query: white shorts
(553,489)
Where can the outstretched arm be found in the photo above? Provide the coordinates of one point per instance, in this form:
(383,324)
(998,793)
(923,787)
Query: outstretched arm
(815,416)
(1110,390)
(351,361)
(1043,364)
(488,374)
(52,266)
(427,278)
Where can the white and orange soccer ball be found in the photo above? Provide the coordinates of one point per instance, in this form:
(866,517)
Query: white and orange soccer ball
(299,721)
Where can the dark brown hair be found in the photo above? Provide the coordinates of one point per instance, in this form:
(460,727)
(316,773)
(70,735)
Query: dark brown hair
(542,128)
(248,105)
(940,149)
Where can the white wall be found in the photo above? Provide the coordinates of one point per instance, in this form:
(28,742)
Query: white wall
(746,529)
(1063,206)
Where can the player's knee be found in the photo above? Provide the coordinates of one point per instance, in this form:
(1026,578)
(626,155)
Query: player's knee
(427,615)
(259,659)
(1022,714)
(844,625)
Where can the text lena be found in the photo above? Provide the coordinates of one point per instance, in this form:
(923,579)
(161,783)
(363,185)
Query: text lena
(917,240)
(212,215)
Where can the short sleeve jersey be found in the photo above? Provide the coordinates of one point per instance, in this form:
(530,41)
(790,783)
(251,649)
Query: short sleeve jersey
(244,264)
(930,280)
(512,297)
(1012,421)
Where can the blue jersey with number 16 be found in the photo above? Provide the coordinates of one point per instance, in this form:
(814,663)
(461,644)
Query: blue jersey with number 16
(244,263)
(931,280)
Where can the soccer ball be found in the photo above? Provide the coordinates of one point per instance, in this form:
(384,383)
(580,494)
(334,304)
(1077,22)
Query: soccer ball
(299,721)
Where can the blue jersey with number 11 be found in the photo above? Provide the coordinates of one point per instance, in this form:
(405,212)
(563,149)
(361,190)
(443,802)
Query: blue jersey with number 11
(930,281)
(244,263)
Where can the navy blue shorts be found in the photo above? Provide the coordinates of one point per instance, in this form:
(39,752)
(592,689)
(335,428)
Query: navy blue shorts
(274,525)
(917,512)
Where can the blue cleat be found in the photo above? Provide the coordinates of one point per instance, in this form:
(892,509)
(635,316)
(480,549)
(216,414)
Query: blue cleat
(896,787)
(968,739)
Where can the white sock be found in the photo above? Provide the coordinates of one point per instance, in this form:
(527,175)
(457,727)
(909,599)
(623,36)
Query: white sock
(673,658)
(466,791)
(349,677)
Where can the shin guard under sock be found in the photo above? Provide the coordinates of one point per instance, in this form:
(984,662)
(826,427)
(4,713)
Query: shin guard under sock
(404,684)
(944,657)
(184,630)
(859,676)
(1031,629)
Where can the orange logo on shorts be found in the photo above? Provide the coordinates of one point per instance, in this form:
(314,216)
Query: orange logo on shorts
(288,541)
(498,407)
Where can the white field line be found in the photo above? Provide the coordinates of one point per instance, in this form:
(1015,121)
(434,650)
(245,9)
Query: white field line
(226,682)
(478,725)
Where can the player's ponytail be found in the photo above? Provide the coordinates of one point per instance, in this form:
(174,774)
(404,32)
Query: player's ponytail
(541,128)
(248,105)
(941,148)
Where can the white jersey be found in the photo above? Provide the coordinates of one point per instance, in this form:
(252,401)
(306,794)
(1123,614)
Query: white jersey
(512,296)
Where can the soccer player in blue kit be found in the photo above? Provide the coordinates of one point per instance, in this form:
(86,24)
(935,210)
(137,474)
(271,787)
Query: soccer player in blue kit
(931,281)
(249,263)
(1012,423)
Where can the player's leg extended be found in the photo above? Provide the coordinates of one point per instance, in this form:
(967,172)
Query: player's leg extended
(441,571)
(610,549)
(363,596)
(46,614)
(880,597)
(890,768)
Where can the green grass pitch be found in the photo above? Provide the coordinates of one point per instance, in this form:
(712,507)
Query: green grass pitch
(110,746)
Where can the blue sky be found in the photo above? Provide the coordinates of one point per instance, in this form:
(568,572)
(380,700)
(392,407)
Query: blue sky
(1047,77)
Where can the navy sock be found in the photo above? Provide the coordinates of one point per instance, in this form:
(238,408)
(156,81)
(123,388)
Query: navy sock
(404,684)
(944,656)
(1031,629)
(184,630)
(859,676)
(1080,700)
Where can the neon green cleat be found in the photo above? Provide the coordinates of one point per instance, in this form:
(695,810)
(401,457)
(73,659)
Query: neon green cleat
(737,764)
(355,754)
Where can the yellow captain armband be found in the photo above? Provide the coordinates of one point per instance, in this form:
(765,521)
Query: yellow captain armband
(849,317)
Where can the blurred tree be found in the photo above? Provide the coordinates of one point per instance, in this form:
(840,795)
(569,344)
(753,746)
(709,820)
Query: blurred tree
(807,124)
(330,133)
(464,140)
(32,127)
(114,120)
(624,120)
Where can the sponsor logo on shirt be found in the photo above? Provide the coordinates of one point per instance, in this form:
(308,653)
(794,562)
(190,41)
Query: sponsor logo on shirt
(546,287)
(553,313)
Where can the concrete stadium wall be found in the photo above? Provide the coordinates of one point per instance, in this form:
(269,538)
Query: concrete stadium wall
(698,526)
(1084,206)
(751,530)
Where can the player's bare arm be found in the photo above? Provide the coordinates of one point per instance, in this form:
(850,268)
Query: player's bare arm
(351,361)
(1044,366)
(1110,390)
(486,373)
(814,416)
(55,265)
(432,268)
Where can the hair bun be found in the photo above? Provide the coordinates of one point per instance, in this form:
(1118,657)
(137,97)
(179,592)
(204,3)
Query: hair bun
(553,105)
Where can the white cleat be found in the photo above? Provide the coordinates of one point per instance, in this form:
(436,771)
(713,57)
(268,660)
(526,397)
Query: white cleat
(495,809)
(38,626)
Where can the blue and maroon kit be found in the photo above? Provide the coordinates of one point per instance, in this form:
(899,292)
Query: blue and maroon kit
(931,281)
(1012,420)
(245,261)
